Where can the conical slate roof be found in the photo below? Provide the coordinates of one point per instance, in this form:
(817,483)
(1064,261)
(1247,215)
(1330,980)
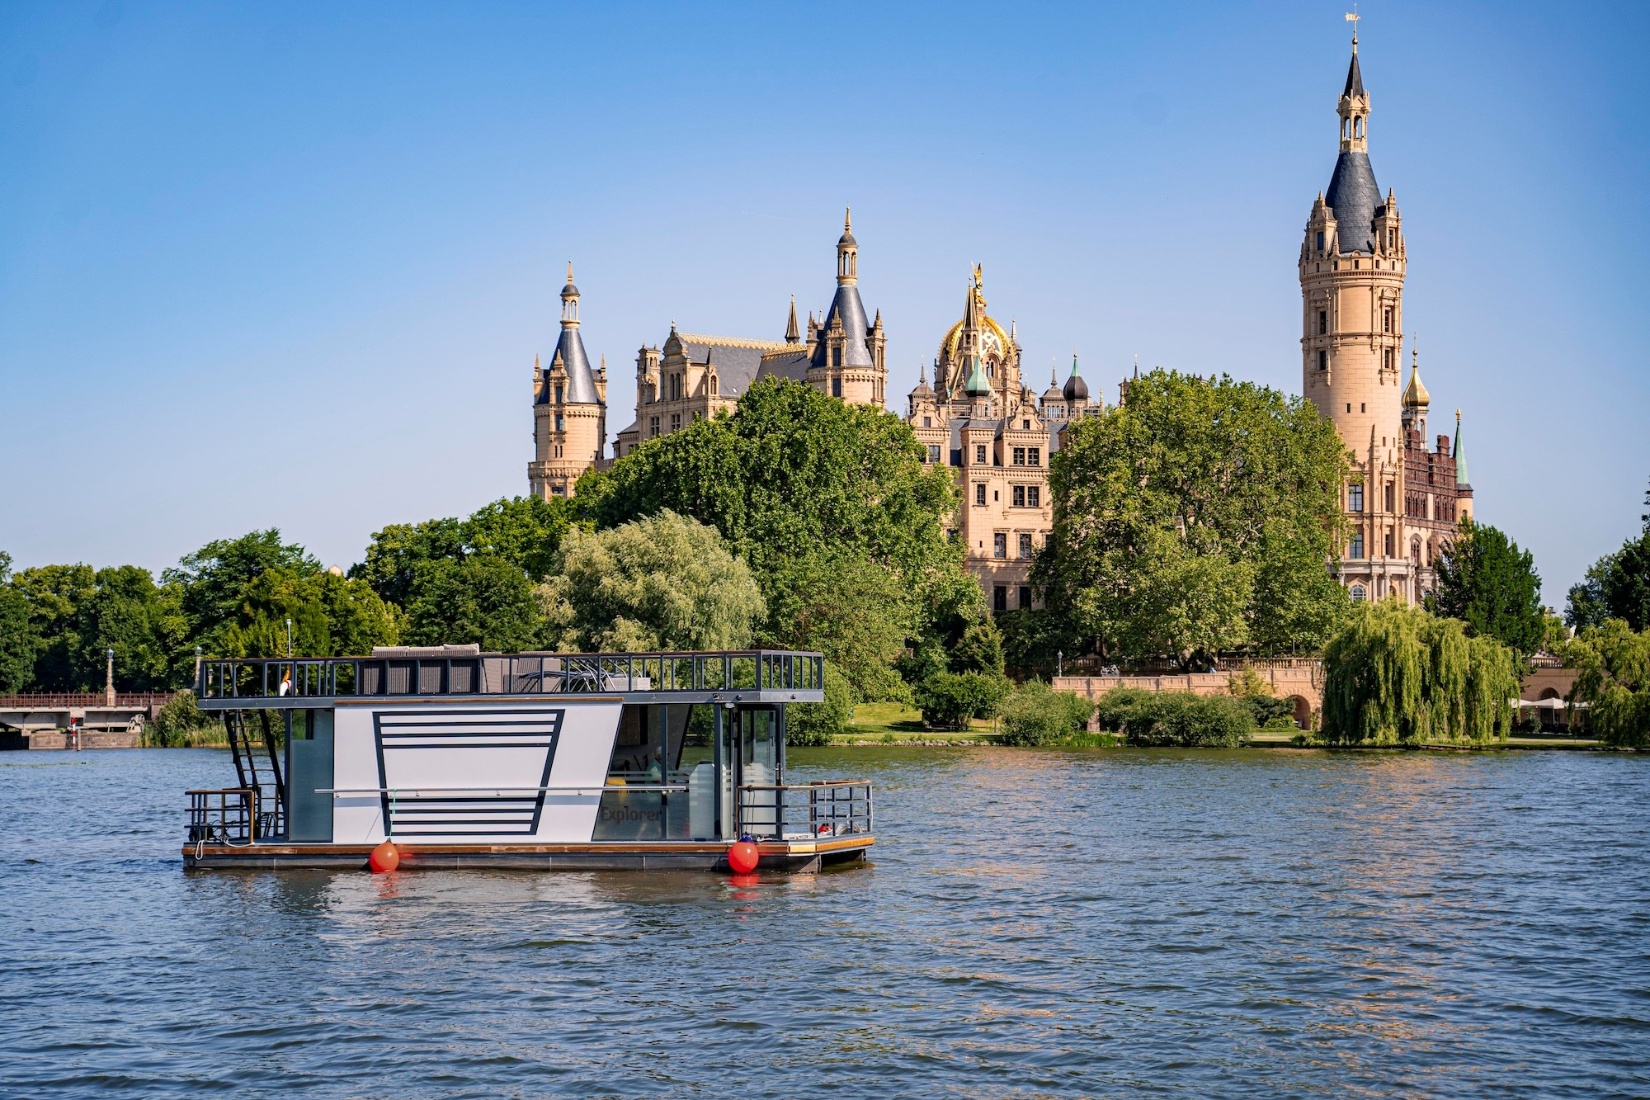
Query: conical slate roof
(1354,196)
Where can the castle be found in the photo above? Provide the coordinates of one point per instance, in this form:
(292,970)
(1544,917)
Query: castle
(1402,502)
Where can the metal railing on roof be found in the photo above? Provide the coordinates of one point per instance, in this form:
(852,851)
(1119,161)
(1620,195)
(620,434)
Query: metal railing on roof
(799,676)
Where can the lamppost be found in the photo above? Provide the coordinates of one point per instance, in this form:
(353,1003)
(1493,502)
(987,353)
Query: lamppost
(1059,662)
(109,679)
(289,637)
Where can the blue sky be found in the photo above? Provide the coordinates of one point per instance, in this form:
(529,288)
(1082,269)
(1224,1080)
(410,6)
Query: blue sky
(288,264)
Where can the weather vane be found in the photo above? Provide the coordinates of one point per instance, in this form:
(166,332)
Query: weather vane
(1352,17)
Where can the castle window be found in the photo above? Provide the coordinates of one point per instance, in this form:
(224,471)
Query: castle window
(1025,597)
(1415,551)
(979,495)
(1019,456)
(1355,551)
(1034,496)
(558,393)
(713,383)
(1359,593)
(1362,407)
(1389,544)
(1323,322)
(1391,238)
(1025,546)
(675,422)
(1354,498)
(1320,240)
(979,453)
(999,596)
(1025,425)
(1386,319)
(999,547)
(1389,501)
(1323,363)
(836,387)
(928,422)
(675,387)
(933,452)
(560,423)
(836,357)
(1018,499)
(1034,456)
(559,490)
(652,425)
(1349,406)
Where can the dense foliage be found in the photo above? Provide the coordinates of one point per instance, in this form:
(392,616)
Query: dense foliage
(1175,719)
(1614,682)
(949,700)
(1491,585)
(835,512)
(1036,714)
(1200,516)
(808,724)
(17,636)
(661,582)
(1397,675)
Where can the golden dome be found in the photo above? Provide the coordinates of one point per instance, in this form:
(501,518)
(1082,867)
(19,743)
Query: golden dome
(1415,394)
(994,341)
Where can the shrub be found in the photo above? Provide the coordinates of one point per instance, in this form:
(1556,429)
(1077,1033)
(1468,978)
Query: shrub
(949,699)
(812,724)
(1035,714)
(179,723)
(1271,712)
(1176,718)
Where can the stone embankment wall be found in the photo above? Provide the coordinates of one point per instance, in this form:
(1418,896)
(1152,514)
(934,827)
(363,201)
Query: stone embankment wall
(1296,679)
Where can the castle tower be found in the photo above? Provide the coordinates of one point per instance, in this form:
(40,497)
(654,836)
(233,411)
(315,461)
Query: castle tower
(569,408)
(1352,266)
(846,353)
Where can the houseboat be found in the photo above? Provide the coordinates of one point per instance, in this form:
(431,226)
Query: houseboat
(535,760)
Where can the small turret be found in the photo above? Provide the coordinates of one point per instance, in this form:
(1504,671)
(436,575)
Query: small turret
(1461,477)
(792,336)
(1076,391)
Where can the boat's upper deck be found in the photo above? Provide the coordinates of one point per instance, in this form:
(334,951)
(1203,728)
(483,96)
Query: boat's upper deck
(749,677)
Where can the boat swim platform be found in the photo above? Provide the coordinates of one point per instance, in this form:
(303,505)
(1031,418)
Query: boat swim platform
(791,856)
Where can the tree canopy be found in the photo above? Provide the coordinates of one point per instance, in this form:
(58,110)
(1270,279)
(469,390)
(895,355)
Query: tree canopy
(658,583)
(1487,582)
(18,640)
(1201,515)
(1617,586)
(832,507)
(1614,682)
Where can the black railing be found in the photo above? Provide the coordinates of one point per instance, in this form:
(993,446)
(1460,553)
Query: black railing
(822,810)
(517,674)
(224,817)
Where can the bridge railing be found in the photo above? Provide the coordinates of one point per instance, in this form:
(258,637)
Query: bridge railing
(125,700)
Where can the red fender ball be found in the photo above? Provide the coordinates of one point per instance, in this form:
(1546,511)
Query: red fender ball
(742,858)
(384,858)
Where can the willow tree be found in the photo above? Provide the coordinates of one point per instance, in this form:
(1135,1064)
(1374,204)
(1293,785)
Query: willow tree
(1614,682)
(1396,675)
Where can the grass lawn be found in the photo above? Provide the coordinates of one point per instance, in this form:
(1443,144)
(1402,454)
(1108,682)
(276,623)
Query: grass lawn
(896,722)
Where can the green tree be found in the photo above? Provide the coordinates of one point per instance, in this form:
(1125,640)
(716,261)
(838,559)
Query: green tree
(126,611)
(213,581)
(18,638)
(54,594)
(813,724)
(1487,582)
(399,551)
(527,532)
(1587,604)
(1201,515)
(481,599)
(330,615)
(664,582)
(948,700)
(849,608)
(1397,675)
(795,474)
(1614,682)
(1627,585)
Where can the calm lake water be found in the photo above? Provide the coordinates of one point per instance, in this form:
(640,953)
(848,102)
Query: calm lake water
(1262,923)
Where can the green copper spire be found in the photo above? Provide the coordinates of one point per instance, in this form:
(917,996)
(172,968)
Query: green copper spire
(978,385)
(1461,477)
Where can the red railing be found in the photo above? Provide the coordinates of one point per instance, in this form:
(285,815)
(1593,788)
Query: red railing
(151,700)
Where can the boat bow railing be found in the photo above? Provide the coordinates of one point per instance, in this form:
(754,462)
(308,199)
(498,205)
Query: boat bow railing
(821,810)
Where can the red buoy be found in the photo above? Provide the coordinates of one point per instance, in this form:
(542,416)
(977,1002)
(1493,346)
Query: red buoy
(384,858)
(742,858)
